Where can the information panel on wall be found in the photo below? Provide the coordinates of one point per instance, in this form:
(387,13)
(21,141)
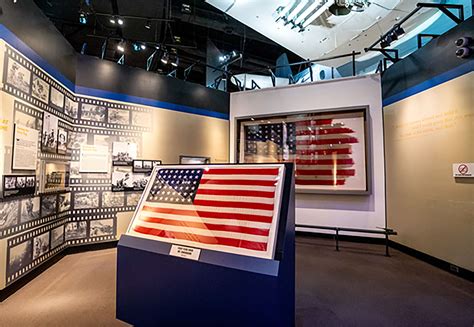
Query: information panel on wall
(226,208)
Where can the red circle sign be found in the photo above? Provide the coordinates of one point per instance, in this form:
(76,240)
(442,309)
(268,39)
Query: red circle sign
(463,169)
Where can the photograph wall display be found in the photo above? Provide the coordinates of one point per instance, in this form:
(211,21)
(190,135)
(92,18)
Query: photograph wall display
(110,199)
(62,140)
(93,113)
(173,190)
(56,176)
(140,181)
(145,166)
(40,89)
(123,153)
(49,137)
(76,230)
(40,245)
(16,185)
(86,200)
(329,148)
(118,116)
(71,108)
(19,256)
(25,148)
(77,139)
(8,214)
(194,160)
(101,227)
(122,179)
(18,76)
(48,205)
(57,236)
(94,159)
(30,209)
(133,198)
(64,202)
(74,170)
(141,119)
(29,121)
(57,98)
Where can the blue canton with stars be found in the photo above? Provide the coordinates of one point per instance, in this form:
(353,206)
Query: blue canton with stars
(270,132)
(175,186)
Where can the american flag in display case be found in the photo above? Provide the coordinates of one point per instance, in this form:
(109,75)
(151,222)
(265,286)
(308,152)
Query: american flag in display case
(328,149)
(228,208)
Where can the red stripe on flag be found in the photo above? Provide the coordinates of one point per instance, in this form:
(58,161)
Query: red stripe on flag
(325,162)
(316,122)
(326,172)
(346,140)
(325,152)
(257,246)
(257,194)
(238,182)
(209,214)
(238,171)
(233,204)
(216,227)
(340,130)
(319,182)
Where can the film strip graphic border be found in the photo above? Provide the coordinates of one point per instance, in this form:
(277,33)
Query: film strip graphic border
(93,238)
(84,181)
(89,240)
(27,236)
(32,224)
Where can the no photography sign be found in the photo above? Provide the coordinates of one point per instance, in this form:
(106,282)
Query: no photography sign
(463,169)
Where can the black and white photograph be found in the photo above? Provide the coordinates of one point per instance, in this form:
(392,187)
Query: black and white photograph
(77,139)
(140,181)
(40,89)
(30,209)
(122,179)
(62,140)
(76,230)
(40,245)
(93,113)
(147,164)
(141,119)
(133,198)
(57,98)
(111,199)
(57,236)
(49,137)
(29,121)
(21,182)
(71,108)
(56,175)
(75,169)
(104,140)
(101,227)
(48,205)
(20,256)
(86,200)
(123,153)
(18,76)
(137,164)
(10,183)
(118,116)
(64,201)
(30,181)
(8,214)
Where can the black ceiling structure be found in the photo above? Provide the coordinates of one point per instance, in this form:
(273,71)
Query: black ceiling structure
(179,28)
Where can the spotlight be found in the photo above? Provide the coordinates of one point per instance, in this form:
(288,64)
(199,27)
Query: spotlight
(221,58)
(120,21)
(142,46)
(463,42)
(185,8)
(175,63)
(148,25)
(398,32)
(165,58)
(463,52)
(386,41)
(113,20)
(82,18)
(121,46)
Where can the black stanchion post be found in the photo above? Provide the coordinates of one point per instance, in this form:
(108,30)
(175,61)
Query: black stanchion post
(337,239)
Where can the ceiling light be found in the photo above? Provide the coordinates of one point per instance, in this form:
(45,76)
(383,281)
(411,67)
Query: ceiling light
(82,18)
(386,41)
(143,46)
(185,8)
(399,31)
(175,63)
(121,46)
(120,21)
(165,58)
(113,20)
(148,25)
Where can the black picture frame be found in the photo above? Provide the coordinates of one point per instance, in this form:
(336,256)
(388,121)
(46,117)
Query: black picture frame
(23,185)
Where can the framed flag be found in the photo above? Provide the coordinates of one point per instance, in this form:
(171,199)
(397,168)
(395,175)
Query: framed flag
(329,148)
(226,208)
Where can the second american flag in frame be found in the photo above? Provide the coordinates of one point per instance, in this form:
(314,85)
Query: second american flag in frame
(329,148)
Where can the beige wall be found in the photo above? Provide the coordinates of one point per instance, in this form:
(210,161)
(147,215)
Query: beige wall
(424,135)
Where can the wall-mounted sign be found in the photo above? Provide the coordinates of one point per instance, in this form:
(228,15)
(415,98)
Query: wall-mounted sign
(25,148)
(463,169)
(94,159)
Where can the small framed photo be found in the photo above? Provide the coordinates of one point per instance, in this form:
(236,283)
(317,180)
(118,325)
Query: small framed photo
(16,185)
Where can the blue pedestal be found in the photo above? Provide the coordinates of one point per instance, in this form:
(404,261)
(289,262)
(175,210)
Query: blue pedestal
(221,289)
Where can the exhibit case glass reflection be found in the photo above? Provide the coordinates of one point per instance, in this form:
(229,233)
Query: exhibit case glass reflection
(329,148)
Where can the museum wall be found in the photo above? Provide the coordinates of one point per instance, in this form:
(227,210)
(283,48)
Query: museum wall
(344,210)
(429,126)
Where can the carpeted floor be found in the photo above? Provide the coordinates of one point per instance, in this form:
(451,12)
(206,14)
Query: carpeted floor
(355,287)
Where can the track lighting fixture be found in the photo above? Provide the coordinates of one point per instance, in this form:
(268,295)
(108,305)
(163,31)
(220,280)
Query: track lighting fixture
(165,58)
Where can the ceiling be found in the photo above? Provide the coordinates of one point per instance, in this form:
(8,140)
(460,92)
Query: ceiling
(180,34)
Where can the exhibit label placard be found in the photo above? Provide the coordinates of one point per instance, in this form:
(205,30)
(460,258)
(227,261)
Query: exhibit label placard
(463,169)
(94,159)
(25,145)
(185,252)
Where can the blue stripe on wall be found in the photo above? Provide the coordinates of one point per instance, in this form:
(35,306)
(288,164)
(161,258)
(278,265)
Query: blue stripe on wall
(22,47)
(440,79)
